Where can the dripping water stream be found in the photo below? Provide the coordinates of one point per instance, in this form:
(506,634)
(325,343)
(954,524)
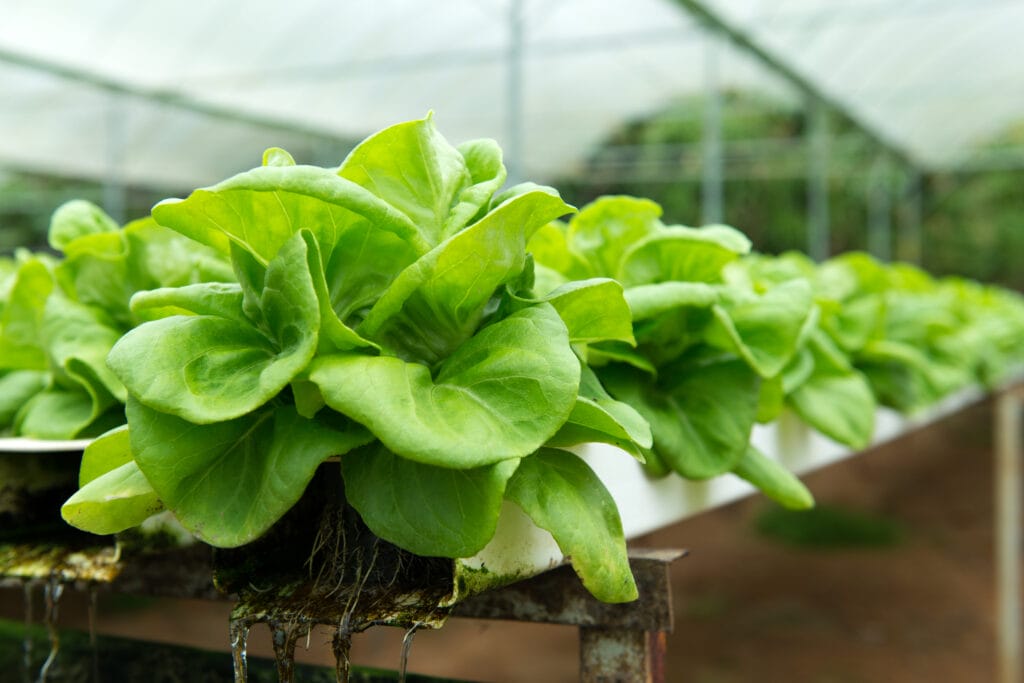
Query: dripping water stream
(403,662)
(26,645)
(52,592)
(93,646)
(333,572)
(239,634)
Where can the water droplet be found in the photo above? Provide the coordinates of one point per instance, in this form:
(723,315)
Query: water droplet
(93,608)
(238,630)
(93,604)
(403,662)
(52,591)
(26,645)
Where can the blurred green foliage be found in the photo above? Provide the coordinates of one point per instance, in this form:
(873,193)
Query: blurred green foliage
(27,200)
(973,223)
(828,527)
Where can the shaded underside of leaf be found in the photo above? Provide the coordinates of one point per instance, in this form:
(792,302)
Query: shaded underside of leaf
(427,510)
(228,482)
(701,416)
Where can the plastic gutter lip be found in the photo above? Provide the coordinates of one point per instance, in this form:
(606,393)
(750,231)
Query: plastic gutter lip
(24,444)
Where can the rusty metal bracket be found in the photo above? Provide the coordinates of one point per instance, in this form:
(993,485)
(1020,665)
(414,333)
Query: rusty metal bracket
(1009,452)
(618,643)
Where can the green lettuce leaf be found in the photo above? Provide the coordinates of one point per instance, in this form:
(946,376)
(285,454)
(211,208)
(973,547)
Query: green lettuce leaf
(228,482)
(414,169)
(16,388)
(701,413)
(77,218)
(261,209)
(593,310)
(834,398)
(20,324)
(774,480)
(428,510)
(114,494)
(649,301)
(563,496)
(214,367)
(438,302)
(682,254)
(501,395)
(764,330)
(598,418)
(604,231)
(107,452)
(114,501)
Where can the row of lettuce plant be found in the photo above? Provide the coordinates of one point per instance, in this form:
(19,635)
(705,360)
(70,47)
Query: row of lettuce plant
(61,313)
(727,339)
(450,341)
(381,312)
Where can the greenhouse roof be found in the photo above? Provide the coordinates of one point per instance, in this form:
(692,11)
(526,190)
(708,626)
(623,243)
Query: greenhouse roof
(183,93)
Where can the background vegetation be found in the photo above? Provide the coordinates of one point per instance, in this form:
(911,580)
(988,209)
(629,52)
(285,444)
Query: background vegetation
(973,222)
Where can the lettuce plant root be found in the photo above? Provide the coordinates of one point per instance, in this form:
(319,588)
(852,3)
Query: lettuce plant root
(320,564)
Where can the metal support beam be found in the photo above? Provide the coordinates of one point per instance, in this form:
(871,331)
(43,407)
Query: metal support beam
(818,232)
(910,237)
(166,98)
(621,643)
(748,45)
(1009,442)
(879,200)
(712,179)
(614,655)
(113,180)
(514,124)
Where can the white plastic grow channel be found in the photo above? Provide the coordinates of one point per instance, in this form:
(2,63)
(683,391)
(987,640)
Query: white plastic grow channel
(21,444)
(521,549)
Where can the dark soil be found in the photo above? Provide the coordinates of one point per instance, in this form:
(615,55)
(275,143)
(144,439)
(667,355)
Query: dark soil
(749,607)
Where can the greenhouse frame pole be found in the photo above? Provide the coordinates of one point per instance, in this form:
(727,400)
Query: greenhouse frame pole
(715,22)
(712,177)
(163,97)
(514,125)
(910,238)
(1009,452)
(818,232)
(879,200)
(113,182)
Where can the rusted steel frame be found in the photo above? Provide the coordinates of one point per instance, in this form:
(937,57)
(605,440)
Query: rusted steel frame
(1009,452)
(618,643)
(558,597)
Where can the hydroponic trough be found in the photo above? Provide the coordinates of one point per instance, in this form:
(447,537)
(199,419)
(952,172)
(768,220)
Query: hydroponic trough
(520,549)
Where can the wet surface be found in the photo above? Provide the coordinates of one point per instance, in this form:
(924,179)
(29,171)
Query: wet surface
(331,572)
(128,661)
(747,608)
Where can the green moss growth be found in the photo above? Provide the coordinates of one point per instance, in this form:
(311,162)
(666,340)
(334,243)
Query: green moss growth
(829,527)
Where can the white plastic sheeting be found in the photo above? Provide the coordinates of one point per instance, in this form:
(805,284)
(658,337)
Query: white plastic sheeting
(935,77)
(143,92)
